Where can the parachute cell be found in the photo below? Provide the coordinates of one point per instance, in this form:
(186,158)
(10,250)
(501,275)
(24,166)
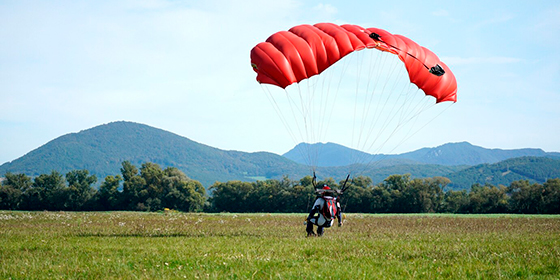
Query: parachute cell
(288,57)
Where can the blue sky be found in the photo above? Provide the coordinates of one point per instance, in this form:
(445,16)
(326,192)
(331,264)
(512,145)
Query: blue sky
(183,66)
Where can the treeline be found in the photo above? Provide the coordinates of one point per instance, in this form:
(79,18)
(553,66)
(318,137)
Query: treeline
(151,188)
(396,194)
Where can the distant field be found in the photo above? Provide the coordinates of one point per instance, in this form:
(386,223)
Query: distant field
(128,245)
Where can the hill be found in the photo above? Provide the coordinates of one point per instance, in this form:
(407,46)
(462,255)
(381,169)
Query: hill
(102,149)
(533,169)
(332,154)
(468,154)
(462,153)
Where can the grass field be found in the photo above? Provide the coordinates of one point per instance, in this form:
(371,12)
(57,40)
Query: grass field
(127,245)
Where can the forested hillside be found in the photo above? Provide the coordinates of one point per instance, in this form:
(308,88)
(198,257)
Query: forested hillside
(462,153)
(102,149)
(533,169)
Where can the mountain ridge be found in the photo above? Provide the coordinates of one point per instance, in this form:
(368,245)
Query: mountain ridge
(102,149)
(459,153)
(533,169)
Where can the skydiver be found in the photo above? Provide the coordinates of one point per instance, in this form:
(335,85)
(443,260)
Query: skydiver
(325,209)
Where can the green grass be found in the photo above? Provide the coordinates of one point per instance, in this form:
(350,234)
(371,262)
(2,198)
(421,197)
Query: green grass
(127,245)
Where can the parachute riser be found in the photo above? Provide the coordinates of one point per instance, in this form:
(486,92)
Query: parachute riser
(344,187)
(436,69)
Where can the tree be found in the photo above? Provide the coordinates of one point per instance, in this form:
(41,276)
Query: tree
(180,192)
(134,194)
(488,199)
(397,186)
(418,197)
(12,189)
(300,198)
(232,196)
(551,196)
(306,181)
(381,200)
(79,191)
(427,194)
(263,197)
(358,196)
(153,187)
(128,170)
(526,198)
(437,184)
(108,196)
(46,193)
(455,202)
(304,194)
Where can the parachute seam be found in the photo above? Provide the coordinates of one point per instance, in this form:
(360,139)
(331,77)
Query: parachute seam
(297,52)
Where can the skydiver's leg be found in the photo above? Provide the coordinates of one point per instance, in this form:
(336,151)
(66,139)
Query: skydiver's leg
(309,229)
(320,231)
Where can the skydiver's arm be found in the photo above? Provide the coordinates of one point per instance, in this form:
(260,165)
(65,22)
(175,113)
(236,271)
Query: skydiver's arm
(339,213)
(315,209)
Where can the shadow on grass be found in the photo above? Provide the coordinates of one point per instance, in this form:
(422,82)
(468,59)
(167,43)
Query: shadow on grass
(175,234)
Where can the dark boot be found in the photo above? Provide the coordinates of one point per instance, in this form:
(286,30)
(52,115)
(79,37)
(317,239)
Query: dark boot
(309,229)
(320,231)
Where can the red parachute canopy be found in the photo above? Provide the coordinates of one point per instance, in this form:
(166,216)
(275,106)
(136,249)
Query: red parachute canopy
(288,57)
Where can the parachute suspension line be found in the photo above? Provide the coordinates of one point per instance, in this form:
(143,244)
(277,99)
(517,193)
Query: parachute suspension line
(408,104)
(403,111)
(430,121)
(383,104)
(318,93)
(380,124)
(429,103)
(324,103)
(402,120)
(306,135)
(360,57)
(308,103)
(329,112)
(320,111)
(356,94)
(408,135)
(307,120)
(283,119)
(364,98)
(292,131)
(313,99)
(377,63)
(407,111)
(276,107)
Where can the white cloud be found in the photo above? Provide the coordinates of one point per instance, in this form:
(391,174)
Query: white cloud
(326,9)
(544,28)
(440,13)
